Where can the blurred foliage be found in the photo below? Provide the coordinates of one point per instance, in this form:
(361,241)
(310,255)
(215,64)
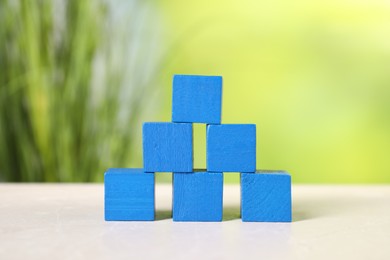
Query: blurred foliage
(73,76)
(313,75)
(77,78)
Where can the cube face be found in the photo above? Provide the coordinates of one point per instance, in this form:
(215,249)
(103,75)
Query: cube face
(231,148)
(266,197)
(167,147)
(197,196)
(197,99)
(128,195)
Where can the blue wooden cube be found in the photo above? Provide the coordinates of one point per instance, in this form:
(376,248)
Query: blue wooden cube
(231,148)
(197,99)
(128,194)
(266,196)
(167,147)
(197,196)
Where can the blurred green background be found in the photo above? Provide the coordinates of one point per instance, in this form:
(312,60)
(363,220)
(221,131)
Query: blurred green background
(77,79)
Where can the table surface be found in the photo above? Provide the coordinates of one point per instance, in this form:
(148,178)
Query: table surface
(65,221)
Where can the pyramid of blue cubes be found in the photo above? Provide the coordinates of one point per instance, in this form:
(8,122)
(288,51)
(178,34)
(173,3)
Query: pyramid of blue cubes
(197,194)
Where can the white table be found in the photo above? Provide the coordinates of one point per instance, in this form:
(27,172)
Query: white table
(65,221)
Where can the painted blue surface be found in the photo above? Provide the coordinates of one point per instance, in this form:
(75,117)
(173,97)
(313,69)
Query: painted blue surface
(231,148)
(167,147)
(197,99)
(197,196)
(266,196)
(128,195)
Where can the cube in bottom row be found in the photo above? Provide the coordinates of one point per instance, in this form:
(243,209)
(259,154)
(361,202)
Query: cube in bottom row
(266,196)
(128,194)
(197,196)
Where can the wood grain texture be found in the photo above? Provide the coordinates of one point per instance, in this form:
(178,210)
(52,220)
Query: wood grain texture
(231,148)
(197,196)
(128,195)
(167,147)
(197,99)
(266,196)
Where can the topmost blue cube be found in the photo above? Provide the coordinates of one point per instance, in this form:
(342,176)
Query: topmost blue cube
(197,99)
